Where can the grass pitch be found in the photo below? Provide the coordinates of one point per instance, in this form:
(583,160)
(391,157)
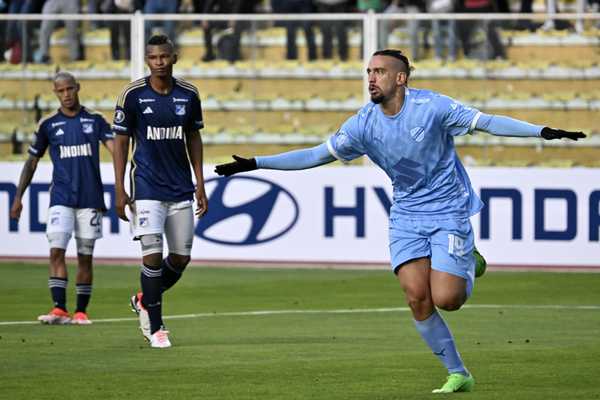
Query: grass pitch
(324,334)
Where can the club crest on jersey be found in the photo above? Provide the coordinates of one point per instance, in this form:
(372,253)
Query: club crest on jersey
(180,109)
(418,134)
(143,222)
(119,116)
(87,128)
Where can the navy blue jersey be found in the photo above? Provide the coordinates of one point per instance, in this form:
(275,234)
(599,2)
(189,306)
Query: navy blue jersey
(157,123)
(74,151)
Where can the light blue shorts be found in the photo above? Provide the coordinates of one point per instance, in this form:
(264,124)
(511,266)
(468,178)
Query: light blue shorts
(448,242)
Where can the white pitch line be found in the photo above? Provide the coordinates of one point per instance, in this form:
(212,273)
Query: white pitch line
(339,311)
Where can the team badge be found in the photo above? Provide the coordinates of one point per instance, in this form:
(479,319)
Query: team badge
(119,116)
(87,128)
(180,109)
(418,134)
(143,222)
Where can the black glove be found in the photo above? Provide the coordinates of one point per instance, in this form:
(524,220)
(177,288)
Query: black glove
(549,134)
(239,165)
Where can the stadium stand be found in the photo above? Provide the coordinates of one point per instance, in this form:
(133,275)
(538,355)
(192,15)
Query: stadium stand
(266,102)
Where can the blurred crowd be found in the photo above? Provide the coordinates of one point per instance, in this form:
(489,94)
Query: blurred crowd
(30,41)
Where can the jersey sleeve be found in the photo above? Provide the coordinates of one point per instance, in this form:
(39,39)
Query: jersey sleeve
(347,144)
(123,120)
(196,120)
(457,118)
(40,142)
(104,130)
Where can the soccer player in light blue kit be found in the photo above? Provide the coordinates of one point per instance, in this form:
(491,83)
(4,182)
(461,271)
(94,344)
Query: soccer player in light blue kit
(162,115)
(409,133)
(72,134)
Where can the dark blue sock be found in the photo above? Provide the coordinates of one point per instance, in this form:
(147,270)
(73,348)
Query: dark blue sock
(84,292)
(170,274)
(58,291)
(151,279)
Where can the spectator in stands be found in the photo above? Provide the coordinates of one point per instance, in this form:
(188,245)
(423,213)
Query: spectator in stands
(161,7)
(328,27)
(387,26)
(228,42)
(48,26)
(296,7)
(494,48)
(3,24)
(418,30)
(444,31)
(17,142)
(120,31)
(19,33)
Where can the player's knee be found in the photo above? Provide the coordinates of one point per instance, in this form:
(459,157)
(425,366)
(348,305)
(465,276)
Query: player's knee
(58,241)
(57,255)
(152,244)
(178,261)
(448,302)
(419,302)
(85,247)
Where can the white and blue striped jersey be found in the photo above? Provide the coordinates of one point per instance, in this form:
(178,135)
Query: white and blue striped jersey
(157,124)
(416,150)
(75,154)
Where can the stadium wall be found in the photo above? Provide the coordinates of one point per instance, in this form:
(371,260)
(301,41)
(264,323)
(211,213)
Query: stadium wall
(533,217)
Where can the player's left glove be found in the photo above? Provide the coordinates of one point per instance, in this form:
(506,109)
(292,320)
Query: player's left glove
(549,134)
(239,165)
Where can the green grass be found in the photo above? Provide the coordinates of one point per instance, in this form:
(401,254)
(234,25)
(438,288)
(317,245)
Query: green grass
(514,352)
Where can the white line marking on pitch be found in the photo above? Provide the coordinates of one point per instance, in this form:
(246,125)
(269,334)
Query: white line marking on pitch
(342,311)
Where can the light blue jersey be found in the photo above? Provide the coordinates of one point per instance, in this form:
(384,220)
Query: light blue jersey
(416,150)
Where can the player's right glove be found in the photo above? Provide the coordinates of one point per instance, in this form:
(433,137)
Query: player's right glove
(239,165)
(549,134)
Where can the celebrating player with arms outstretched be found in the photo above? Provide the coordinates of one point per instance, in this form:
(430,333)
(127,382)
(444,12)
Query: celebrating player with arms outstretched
(162,116)
(73,134)
(409,133)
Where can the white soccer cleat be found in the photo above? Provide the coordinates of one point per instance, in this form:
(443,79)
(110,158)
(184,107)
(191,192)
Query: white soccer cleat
(80,318)
(142,313)
(160,339)
(56,316)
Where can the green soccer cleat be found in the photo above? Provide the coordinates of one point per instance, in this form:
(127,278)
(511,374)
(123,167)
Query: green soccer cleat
(457,383)
(480,263)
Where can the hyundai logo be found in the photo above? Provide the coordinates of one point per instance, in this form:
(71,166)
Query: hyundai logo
(246,211)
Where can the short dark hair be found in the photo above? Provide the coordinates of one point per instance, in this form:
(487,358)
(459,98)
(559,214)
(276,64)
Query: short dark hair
(159,40)
(397,54)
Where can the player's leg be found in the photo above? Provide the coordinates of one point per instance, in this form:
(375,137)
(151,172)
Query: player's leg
(88,228)
(179,231)
(410,248)
(59,229)
(149,221)
(451,281)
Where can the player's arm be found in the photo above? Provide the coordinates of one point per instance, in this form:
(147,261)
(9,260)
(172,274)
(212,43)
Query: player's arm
(120,154)
(500,125)
(24,181)
(110,146)
(195,152)
(291,160)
